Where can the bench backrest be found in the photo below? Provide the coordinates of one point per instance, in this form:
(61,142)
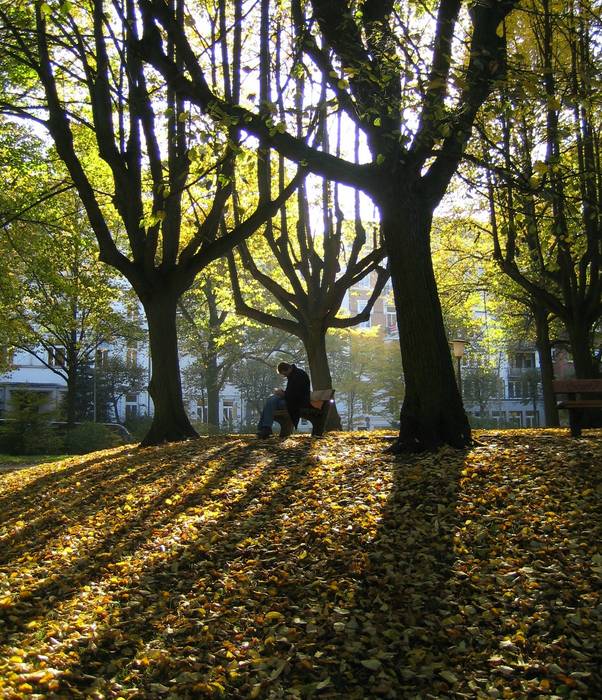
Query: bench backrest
(322,395)
(577,386)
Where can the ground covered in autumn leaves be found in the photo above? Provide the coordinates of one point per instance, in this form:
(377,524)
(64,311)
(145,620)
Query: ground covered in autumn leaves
(227,567)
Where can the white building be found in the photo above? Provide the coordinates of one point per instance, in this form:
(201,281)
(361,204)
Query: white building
(513,398)
(28,373)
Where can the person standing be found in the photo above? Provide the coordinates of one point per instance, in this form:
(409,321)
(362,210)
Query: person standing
(294,397)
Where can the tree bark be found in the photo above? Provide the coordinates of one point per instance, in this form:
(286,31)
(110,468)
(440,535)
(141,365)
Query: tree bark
(170,422)
(544,350)
(319,369)
(432,413)
(580,336)
(70,399)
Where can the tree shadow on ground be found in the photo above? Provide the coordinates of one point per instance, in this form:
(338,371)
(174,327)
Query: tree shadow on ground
(171,594)
(55,579)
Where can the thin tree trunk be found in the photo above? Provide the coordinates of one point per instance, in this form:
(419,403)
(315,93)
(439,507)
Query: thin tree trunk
(319,369)
(212,395)
(170,422)
(72,387)
(432,413)
(544,350)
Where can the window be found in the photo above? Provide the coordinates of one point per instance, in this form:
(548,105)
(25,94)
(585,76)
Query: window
(102,357)
(522,360)
(390,319)
(201,411)
(498,416)
(56,357)
(361,305)
(523,389)
(227,411)
(532,419)
(131,405)
(516,389)
(131,354)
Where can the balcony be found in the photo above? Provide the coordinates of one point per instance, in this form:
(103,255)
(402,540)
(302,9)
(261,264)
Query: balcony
(521,372)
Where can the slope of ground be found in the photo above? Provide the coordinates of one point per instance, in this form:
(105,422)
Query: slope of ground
(227,567)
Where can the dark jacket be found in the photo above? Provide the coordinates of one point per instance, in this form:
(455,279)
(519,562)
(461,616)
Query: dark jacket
(296,393)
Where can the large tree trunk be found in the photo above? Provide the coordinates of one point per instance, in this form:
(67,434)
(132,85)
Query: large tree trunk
(544,350)
(319,369)
(170,422)
(580,338)
(432,413)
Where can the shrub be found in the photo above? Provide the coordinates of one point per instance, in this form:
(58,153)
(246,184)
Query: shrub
(27,430)
(19,439)
(138,426)
(90,437)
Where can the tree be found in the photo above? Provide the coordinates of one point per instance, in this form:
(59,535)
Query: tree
(136,157)
(113,378)
(367,373)
(416,120)
(59,305)
(213,337)
(544,172)
(483,306)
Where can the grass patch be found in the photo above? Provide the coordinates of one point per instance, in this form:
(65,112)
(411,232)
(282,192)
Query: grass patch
(228,567)
(10,462)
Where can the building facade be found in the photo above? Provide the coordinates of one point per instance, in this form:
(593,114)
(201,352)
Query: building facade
(28,373)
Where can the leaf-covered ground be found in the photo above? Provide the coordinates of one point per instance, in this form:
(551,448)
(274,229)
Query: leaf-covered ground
(227,567)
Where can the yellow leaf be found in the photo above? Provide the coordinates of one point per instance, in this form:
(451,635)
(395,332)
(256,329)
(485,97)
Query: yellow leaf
(274,615)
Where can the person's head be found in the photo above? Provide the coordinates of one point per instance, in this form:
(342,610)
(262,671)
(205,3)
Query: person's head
(284,368)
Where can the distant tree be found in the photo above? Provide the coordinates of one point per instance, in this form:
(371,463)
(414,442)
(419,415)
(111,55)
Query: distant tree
(367,373)
(58,304)
(481,383)
(212,337)
(483,306)
(113,379)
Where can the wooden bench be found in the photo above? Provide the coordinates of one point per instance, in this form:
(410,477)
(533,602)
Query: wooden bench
(316,413)
(577,401)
